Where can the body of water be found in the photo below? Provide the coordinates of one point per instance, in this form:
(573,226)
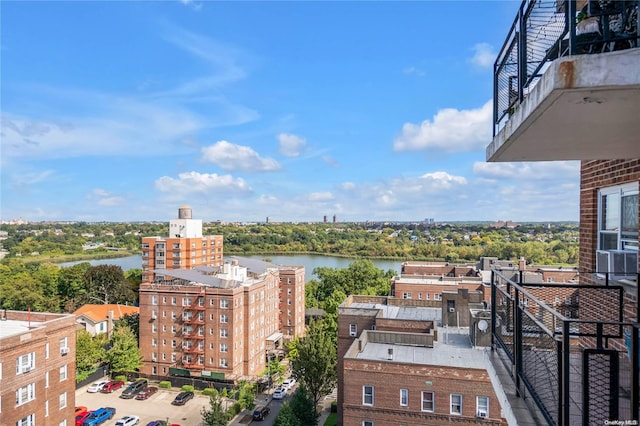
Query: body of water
(309,261)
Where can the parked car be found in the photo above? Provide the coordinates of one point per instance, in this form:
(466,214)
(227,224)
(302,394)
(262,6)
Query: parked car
(182,398)
(260,412)
(146,393)
(81,417)
(128,421)
(99,416)
(81,409)
(97,386)
(289,383)
(157,423)
(112,386)
(279,393)
(133,389)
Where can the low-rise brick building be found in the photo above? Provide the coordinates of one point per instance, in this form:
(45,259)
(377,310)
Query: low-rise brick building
(37,368)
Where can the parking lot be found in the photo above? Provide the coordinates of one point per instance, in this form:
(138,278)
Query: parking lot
(157,407)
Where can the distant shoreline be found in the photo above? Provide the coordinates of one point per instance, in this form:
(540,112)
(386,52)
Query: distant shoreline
(77,257)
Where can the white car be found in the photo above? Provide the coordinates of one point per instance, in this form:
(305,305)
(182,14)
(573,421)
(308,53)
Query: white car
(279,393)
(97,386)
(128,421)
(289,383)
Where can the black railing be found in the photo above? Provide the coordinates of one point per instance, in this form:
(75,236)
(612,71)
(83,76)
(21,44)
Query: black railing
(545,30)
(568,349)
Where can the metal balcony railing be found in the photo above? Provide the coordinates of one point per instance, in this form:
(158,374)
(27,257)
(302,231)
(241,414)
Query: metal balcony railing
(545,30)
(568,350)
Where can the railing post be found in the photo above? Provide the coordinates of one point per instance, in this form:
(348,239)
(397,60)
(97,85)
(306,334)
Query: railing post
(565,379)
(571,23)
(517,338)
(635,374)
(522,52)
(493,308)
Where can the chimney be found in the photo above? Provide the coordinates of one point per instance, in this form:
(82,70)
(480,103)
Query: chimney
(522,264)
(109,323)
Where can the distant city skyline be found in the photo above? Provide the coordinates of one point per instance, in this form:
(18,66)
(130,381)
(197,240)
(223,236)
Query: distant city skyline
(369,111)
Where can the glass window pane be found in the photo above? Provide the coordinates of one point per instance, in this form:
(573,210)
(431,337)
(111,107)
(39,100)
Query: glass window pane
(630,214)
(610,212)
(608,241)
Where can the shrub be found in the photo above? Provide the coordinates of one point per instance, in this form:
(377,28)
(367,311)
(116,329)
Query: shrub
(187,388)
(209,391)
(235,409)
(165,384)
(334,406)
(120,378)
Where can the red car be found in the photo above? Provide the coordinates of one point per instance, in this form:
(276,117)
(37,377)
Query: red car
(146,393)
(80,417)
(111,386)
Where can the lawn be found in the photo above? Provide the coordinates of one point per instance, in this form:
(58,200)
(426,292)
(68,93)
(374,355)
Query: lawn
(332,420)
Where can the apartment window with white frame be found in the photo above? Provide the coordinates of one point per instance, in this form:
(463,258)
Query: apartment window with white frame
(456,404)
(63,400)
(154,300)
(25,394)
(46,379)
(30,420)
(63,423)
(404,397)
(618,217)
(224,333)
(367,423)
(46,408)
(224,319)
(482,406)
(367,395)
(224,304)
(25,363)
(63,373)
(224,347)
(46,350)
(224,362)
(428,401)
(437,296)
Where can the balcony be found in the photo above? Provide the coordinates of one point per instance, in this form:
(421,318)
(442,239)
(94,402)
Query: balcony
(567,83)
(562,358)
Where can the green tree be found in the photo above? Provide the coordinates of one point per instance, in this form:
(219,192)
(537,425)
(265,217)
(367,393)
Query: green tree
(216,415)
(286,417)
(132,321)
(107,284)
(124,354)
(89,353)
(303,408)
(315,362)
(246,394)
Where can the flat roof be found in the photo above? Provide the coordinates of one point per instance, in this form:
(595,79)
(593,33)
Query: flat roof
(13,327)
(453,349)
(434,280)
(415,313)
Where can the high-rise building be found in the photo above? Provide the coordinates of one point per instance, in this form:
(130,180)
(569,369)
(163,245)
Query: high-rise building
(184,248)
(37,368)
(220,320)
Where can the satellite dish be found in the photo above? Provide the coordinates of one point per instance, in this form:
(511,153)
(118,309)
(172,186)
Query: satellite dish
(483,325)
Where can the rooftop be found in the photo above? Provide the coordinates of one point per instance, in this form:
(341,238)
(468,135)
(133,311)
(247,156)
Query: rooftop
(414,313)
(99,313)
(13,327)
(452,350)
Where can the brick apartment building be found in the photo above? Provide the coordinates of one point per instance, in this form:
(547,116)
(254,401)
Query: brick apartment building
(218,320)
(37,368)
(184,248)
(397,366)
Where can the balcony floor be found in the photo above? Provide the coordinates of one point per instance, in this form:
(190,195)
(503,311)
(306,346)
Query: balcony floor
(584,107)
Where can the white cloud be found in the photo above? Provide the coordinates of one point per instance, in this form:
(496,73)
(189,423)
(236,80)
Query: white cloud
(484,55)
(105,198)
(330,161)
(414,71)
(347,186)
(191,182)
(230,156)
(443,180)
(450,130)
(320,196)
(291,145)
(528,171)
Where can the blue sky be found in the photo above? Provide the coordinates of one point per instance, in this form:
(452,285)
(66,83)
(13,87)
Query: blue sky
(123,111)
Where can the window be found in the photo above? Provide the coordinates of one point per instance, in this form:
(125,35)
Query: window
(428,401)
(63,373)
(154,300)
(46,350)
(154,342)
(367,423)
(406,295)
(404,397)
(367,395)
(30,420)
(46,379)
(63,400)
(63,423)
(46,408)
(456,404)
(437,296)
(224,347)
(353,330)
(482,406)
(618,218)
(224,304)
(224,362)
(26,394)
(25,363)
(224,318)
(224,333)
(174,300)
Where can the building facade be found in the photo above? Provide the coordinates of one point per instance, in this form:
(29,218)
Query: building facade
(37,369)
(292,305)
(184,248)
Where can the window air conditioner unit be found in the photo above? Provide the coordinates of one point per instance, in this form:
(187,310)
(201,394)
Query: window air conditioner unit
(26,368)
(352,333)
(481,414)
(452,309)
(617,264)
(64,350)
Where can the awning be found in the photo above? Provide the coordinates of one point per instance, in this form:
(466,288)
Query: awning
(274,337)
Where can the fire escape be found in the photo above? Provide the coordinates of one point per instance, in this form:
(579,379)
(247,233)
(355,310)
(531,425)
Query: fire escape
(193,334)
